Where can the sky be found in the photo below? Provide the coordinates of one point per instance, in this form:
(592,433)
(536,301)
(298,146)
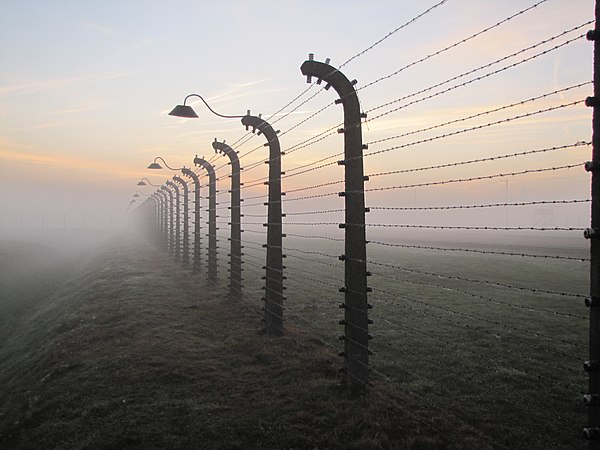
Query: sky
(86,87)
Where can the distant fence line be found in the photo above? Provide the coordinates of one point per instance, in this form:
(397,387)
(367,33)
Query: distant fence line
(314,251)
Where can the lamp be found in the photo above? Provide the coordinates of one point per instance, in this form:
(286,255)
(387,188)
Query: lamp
(188,112)
(143,183)
(274,275)
(155,165)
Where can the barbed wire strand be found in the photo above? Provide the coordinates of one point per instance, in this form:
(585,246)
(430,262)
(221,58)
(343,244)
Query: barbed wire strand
(472,280)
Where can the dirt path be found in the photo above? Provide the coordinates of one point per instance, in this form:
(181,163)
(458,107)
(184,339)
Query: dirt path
(136,352)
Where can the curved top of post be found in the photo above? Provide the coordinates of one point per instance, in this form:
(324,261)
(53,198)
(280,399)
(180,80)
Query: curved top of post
(173,185)
(208,166)
(222,147)
(167,190)
(260,124)
(265,128)
(180,180)
(331,75)
(189,173)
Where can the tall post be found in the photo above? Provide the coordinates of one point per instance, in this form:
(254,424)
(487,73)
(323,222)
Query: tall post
(158,218)
(212,218)
(356,322)
(177,220)
(197,241)
(186,221)
(235,255)
(163,228)
(592,366)
(274,269)
(166,220)
(170,221)
(158,223)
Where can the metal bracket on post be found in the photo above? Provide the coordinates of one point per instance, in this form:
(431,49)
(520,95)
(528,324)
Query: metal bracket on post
(356,322)
(212,218)
(274,267)
(197,225)
(235,280)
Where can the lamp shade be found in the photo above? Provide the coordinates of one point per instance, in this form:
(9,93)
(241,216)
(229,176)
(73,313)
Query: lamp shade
(141,183)
(184,111)
(155,165)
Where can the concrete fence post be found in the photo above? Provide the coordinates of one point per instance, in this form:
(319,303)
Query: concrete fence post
(592,366)
(235,255)
(197,225)
(177,220)
(185,256)
(356,322)
(274,268)
(170,220)
(212,218)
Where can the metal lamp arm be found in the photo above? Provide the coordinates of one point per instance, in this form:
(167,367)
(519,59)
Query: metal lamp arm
(165,163)
(150,183)
(210,109)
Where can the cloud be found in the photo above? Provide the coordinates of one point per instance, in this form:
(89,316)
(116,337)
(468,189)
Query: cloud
(555,72)
(156,150)
(7,143)
(42,126)
(238,91)
(98,28)
(81,108)
(235,88)
(35,86)
(75,166)
(133,47)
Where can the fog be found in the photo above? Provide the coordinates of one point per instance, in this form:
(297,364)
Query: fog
(34,263)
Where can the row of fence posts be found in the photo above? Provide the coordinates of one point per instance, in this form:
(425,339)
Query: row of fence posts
(163,217)
(159,210)
(164,224)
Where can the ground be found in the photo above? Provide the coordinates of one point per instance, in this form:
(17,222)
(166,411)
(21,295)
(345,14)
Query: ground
(134,351)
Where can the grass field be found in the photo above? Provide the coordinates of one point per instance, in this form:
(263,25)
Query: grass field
(122,348)
(493,340)
(129,350)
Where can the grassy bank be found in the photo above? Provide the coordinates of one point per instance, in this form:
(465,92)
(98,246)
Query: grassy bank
(498,341)
(135,352)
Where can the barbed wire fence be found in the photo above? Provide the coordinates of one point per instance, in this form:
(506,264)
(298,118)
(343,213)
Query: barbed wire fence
(478,270)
